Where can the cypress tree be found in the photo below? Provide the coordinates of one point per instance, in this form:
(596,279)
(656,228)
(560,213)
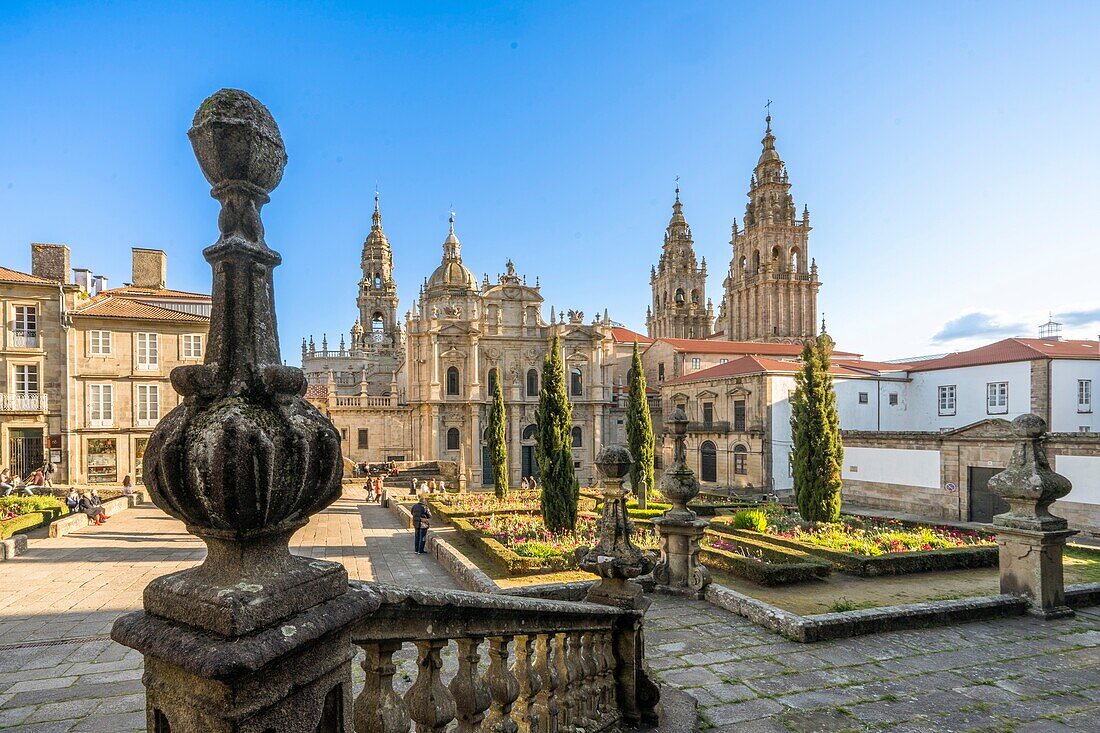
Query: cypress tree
(815,427)
(639,431)
(554,422)
(498,444)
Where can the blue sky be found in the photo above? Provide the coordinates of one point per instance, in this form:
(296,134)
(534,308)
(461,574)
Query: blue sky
(947,151)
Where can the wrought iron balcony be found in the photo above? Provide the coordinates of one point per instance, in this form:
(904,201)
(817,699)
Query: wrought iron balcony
(32,402)
(22,339)
(715,426)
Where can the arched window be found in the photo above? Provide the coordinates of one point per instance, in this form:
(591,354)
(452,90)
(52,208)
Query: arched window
(377,325)
(576,382)
(532,383)
(452,381)
(680,296)
(775,256)
(695,297)
(795,263)
(377,281)
(492,382)
(743,263)
(452,439)
(577,437)
(740,460)
(529,432)
(756,261)
(485,435)
(708,461)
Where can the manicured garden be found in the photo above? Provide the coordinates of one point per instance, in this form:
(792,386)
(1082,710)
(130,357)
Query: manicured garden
(21,513)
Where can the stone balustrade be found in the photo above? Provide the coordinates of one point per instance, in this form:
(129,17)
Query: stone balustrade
(524,665)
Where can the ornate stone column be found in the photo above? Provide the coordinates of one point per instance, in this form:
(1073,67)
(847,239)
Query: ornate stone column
(252,639)
(1031,539)
(679,570)
(617,561)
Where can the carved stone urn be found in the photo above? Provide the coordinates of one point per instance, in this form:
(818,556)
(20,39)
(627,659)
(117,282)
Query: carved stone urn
(614,558)
(679,483)
(244,460)
(1028,484)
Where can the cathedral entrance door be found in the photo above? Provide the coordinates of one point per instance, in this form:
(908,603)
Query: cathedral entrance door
(486,467)
(528,460)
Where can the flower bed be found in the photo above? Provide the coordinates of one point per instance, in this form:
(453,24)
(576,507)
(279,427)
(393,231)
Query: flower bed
(30,512)
(519,543)
(760,562)
(867,547)
(482,503)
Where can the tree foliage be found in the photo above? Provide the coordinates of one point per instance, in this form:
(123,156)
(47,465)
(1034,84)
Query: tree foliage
(498,443)
(639,432)
(554,422)
(815,427)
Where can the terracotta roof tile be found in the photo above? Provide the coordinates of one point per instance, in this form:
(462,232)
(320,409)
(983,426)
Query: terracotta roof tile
(763,364)
(625,335)
(131,291)
(316,391)
(110,306)
(14,276)
(1011,349)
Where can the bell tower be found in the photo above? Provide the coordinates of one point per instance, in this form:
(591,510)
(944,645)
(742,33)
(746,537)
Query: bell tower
(377,299)
(771,287)
(680,308)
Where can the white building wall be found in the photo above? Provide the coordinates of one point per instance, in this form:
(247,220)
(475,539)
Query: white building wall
(892,466)
(780,388)
(1084,473)
(1065,415)
(970,395)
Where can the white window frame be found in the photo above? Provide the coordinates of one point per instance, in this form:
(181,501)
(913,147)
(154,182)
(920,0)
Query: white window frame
(146,359)
(24,322)
(696,362)
(1084,395)
(146,405)
(101,405)
(21,381)
(100,343)
(188,348)
(996,398)
(946,396)
(723,361)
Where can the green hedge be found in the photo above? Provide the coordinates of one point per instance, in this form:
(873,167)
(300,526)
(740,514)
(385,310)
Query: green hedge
(894,563)
(505,559)
(29,520)
(763,572)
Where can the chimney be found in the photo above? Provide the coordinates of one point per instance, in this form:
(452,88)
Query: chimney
(99,284)
(150,269)
(50,261)
(83,279)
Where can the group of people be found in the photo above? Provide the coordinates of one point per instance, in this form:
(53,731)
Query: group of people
(87,502)
(528,483)
(374,487)
(39,478)
(430,486)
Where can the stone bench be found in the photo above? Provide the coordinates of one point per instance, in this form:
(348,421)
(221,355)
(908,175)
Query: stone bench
(79,520)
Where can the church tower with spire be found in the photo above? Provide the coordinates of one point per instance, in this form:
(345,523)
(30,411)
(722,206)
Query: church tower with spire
(377,299)
(771,287)
(680,308)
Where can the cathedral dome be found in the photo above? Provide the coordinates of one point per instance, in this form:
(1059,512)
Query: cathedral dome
(451,273)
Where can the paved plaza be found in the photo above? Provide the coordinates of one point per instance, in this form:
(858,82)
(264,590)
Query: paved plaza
(60,672)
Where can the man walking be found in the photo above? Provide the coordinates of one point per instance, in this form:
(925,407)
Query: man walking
(421,518)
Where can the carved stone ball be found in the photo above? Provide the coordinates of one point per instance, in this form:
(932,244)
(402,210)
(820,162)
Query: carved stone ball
(678,421)
(235,138)
(614,461)
(1029,426)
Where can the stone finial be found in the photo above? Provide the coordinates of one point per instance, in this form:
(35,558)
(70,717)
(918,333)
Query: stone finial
(679,483)
(244,460)
(1028,484)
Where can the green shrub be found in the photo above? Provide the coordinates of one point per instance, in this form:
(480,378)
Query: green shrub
(26,504)
(753,519)
(30,520)
(534,548)
(842,605)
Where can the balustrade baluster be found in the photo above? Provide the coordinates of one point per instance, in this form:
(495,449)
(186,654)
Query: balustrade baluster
(503,687)
(607,653)
(593,680)
(567,718)
(430,703)
(546,704)
(470,691)
(379,709)
(584,679)
(524,711)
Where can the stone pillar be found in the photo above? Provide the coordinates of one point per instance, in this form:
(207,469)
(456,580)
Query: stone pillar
(254,638)
(679,570)
(617,561)
(1030,538)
